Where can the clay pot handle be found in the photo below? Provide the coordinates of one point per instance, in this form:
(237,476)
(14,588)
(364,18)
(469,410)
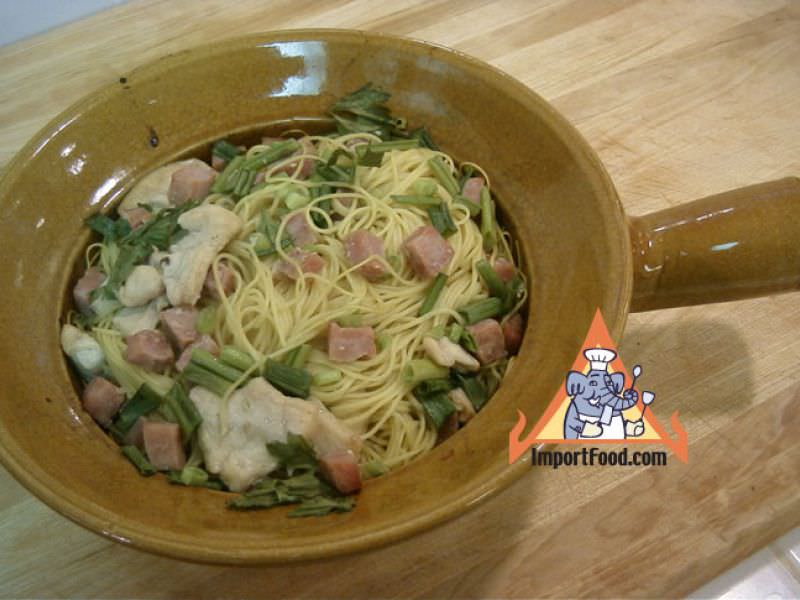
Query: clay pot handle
(734,245)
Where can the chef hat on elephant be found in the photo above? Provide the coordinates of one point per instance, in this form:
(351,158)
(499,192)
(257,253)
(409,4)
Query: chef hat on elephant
(599,358)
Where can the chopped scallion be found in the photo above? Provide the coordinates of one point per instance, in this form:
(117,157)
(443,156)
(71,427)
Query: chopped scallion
(235,358)
(488,229)
(481,309)
(433,294)
(415,200)
(326,376)
(143,402)
(442,173)
(133,454)
(291,381)
(441,219)
(420,369)
(496,286)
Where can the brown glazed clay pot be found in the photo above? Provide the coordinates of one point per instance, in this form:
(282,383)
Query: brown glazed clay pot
(578,247)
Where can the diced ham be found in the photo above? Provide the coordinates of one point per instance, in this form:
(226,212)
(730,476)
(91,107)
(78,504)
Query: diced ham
(190,182)
(358,247)
(512,333)
(505,269)
(310,262)
(136,217)
(341,469)
(205,342)
(489,340)
(472,189)
(150,350)
(427,251)
(307,164)
(135,435)
(218,163)
(102,400)
(346,344)
(227,280)
(180,326)
(90,281)
(299,230)
(162,443)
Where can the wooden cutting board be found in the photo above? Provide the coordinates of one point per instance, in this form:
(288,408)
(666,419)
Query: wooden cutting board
(681,100)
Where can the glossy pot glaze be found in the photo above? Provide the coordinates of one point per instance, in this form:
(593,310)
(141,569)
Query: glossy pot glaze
(553,192)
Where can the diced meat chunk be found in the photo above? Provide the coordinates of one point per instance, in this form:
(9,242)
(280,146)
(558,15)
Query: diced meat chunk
(428,252)
(205,342)
(91,280)
(341,469)
(218,163)
(299,230)
(135,435)
(227,280)
(136,217)
(162,443)
(306,164)
(489,340)
(358,247)
(150,350)
(472,189)
(153,188)
(180,326)
(309,262)
(346,344)
(102,399)
(190,182)
(512,333)
(505,269)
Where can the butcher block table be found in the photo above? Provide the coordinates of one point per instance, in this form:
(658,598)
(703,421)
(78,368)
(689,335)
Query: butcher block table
(681,100)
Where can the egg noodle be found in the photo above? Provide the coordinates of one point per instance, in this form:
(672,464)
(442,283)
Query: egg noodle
(268,317)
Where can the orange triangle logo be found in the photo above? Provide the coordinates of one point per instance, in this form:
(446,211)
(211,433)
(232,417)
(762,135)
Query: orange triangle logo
(599,403)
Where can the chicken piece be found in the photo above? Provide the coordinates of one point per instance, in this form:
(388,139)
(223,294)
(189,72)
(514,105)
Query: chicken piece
(341,469)
(83,350)
(133,320)
(472,189)
(462,403)
(162,443)
(505,269)
(205,342)
(258,414)
(512,333)
(227,279)
(209,228)
(489,340)
(346,344)
(102,400)
(358,247)
(446,353)
(428,252)
(190,182)
(179,324)
(309,262)
(299,230)
(150,350)
(152,189)
(142,285)
(92,279)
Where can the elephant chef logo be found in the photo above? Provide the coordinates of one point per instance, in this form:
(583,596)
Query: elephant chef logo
(599,403)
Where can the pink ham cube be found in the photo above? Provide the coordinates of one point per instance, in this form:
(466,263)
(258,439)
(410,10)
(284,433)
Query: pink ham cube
(162,443)
(428,252)
(102,399)
(191,182)
(150,350)
(358,247)
(489,340)
(346,344)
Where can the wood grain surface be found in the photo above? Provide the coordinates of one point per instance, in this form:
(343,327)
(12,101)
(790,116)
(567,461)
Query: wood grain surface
(681,100)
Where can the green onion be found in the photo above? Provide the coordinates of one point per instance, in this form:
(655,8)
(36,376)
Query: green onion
(289,380)
(165,410)
(326,376)
(496,286)
(224,150)
(473,207)
(185,412)
(481,309)
(236,358)
(226,180)
(441,220)
(433,294)
(193,476)
(133,454)
(200,376)
(383,341)
(420,369)
(274,152)
(442,173)
(297,358)
(437,332)
(322,505)
(244,182)
(474,389)
(354,320)
(204,359)
(371,155)
(206,319)
(438,409)
(295,200)
(415,200)
(424,186)
(374,468)
(468,342)
(431,387)
(488,230)
(144,401)
(455,332)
